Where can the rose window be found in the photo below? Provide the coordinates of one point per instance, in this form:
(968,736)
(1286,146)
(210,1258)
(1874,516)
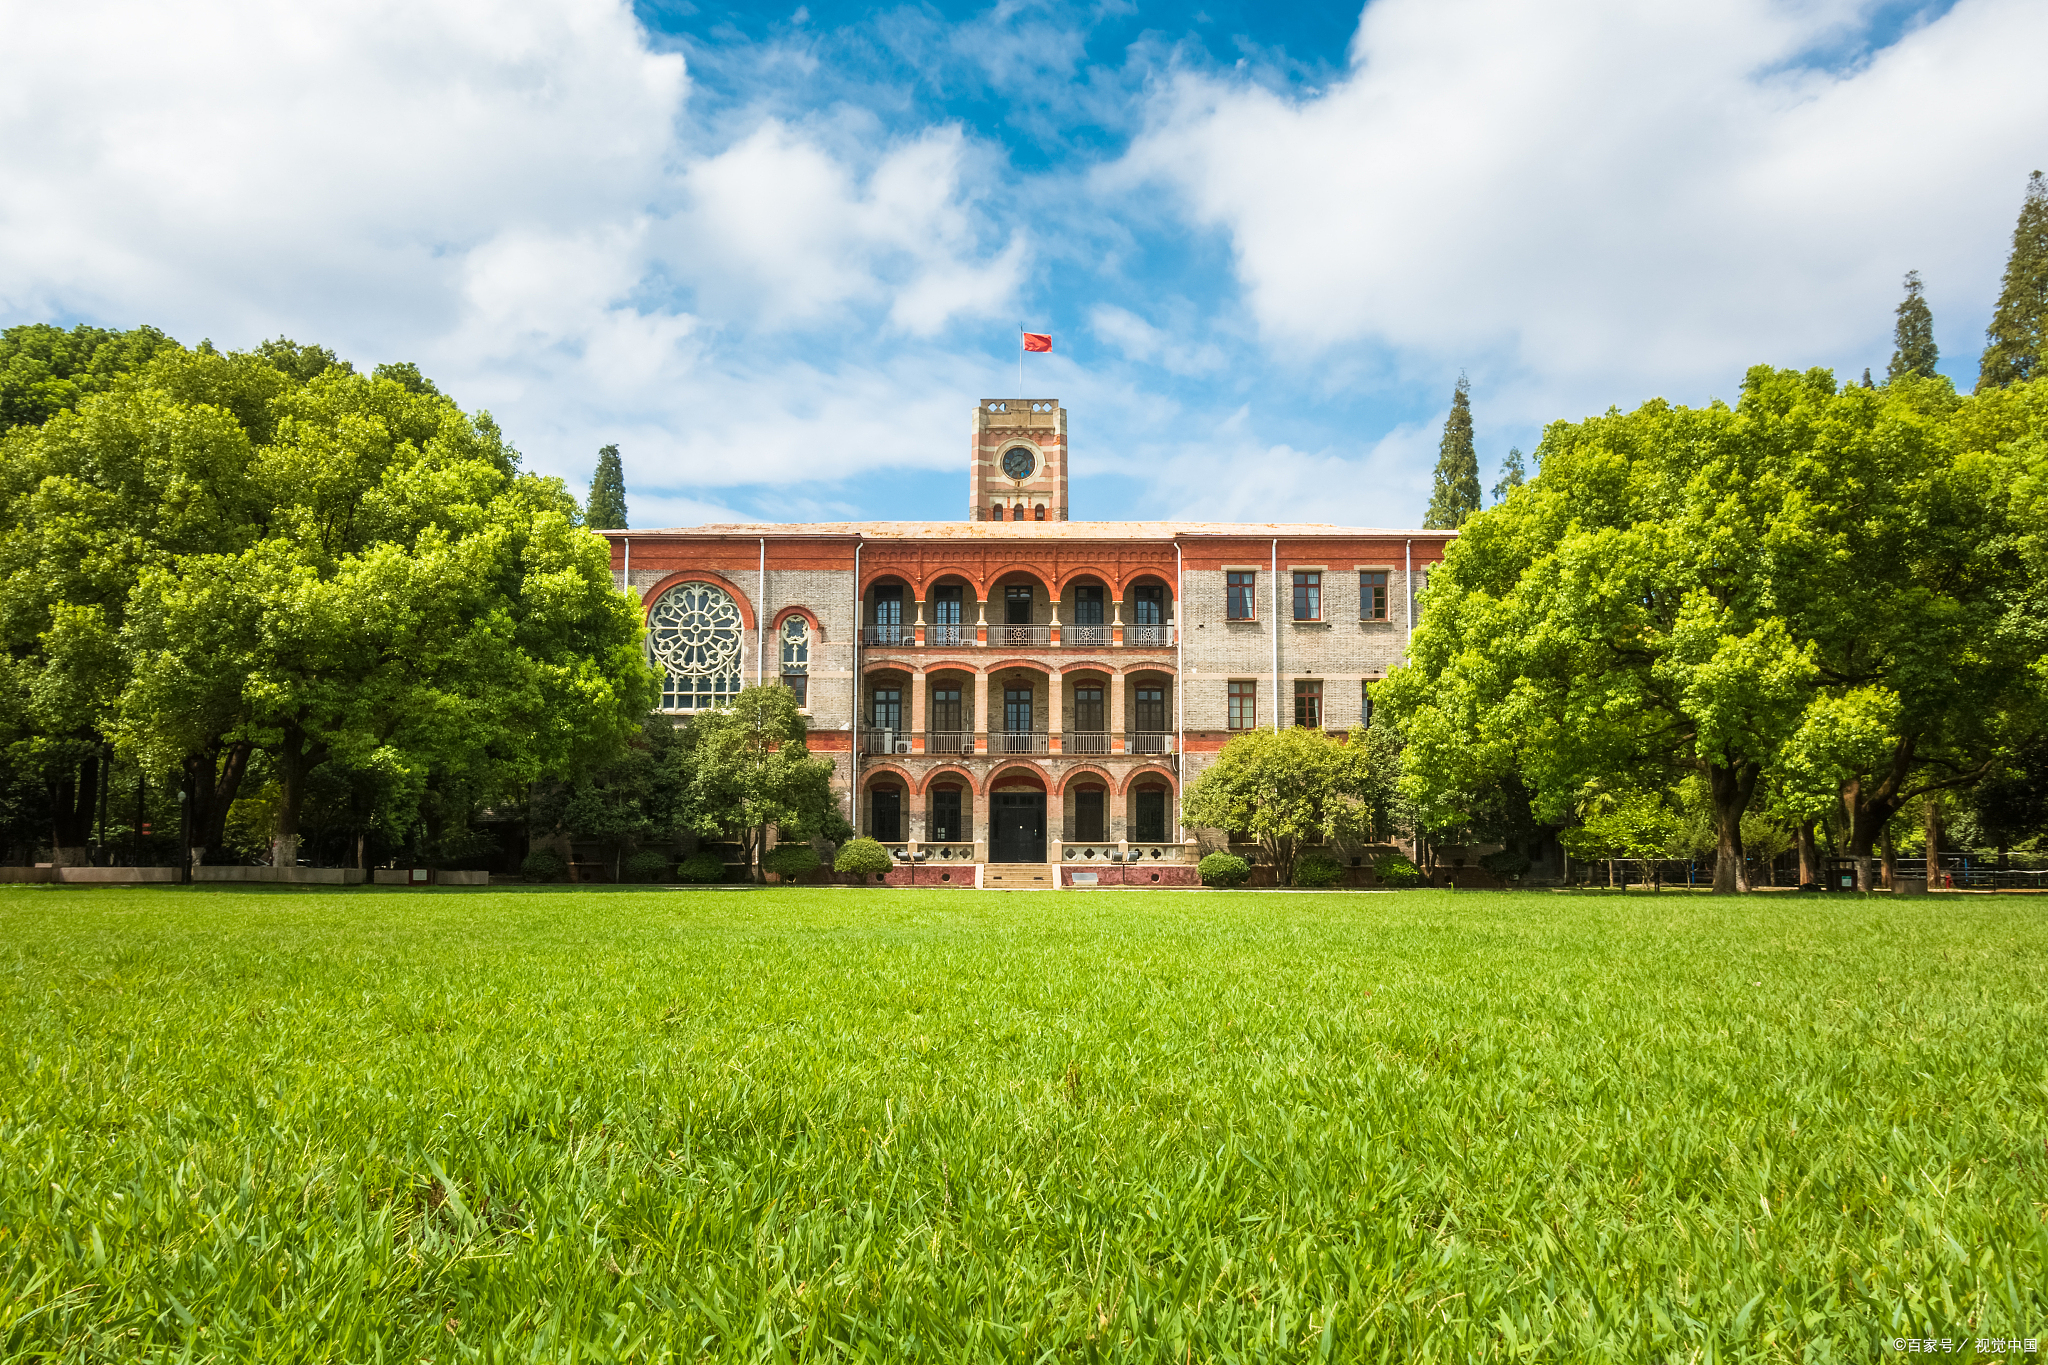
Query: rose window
(694,634)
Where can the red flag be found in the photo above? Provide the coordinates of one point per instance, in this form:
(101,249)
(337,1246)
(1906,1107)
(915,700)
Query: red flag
(1038,341)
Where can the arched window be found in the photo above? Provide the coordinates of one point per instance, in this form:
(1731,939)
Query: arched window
(796,658)
(693,635)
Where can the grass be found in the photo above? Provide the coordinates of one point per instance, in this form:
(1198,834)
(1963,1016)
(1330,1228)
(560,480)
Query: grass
(418,1126)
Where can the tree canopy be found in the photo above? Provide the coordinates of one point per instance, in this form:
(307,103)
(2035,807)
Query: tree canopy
(1455,495)
(1914,351)
(1291,788)
(606,510)
(2018,332)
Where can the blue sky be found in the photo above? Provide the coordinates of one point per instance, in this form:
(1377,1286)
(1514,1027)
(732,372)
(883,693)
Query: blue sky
(776,253)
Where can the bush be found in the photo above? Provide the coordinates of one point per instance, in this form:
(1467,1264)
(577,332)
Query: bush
(1224,870)
(701,867)
(791,861)
(1392,869)
(1317,869)
(862,856)
(1506,864)
(544,865)
(648,865)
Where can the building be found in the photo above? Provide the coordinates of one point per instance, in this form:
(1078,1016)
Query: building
(1018,691)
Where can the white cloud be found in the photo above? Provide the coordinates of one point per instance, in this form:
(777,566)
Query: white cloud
(1614,196)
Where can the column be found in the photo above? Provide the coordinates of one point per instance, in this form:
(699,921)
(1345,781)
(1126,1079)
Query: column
(1118,723)
(1055,604)
(1055,707)
(917,690)
(978,829)
(981,621)
(917,626)
(979,723)
(1116,622)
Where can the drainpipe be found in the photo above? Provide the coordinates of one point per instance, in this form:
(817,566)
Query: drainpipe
(853,726)
(627,541)
(1408,592)
(1180,683)
(1276,635)
(761,618)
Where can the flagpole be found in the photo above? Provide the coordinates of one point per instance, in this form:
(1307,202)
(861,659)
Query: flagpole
(1020,360)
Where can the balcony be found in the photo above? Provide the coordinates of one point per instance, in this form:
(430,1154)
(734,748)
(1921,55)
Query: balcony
(948,633)
(1086,742)
(949,741)
(1017,742)
(1024,636)
(875,740)
(1085,635)
(1148,742)
(888,635)
(1148,635)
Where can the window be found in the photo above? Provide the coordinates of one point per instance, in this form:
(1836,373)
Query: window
(1372,596)
(1149,815)
(1088,606)
(1244,706)
(1308,704)
(796,657)
(1017,604)
(887,825)
(1241,596)
(1017,710)
(1038,512)
(886,708)
(946,814)
(946,710)
(945,626)
(1365,703)
(1088,711)
(1148,606)
(1151,710)
(888,626)
(800,684)
(693,634)
(1308,597)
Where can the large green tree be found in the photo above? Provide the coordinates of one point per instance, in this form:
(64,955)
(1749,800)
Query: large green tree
(45,370)
(1289,789)
(1913,348)
(1455,496)
(750,769)
(1823,586)
(2019,324)
(607,507)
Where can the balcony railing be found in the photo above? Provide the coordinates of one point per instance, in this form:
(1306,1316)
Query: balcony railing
(949,741)
(1017,742)
(888,635)
(1148,635)
(1148,742)
(1086,742)
(948,633)
(1030,637)
(1085,635)
(875,740)
(1020,635)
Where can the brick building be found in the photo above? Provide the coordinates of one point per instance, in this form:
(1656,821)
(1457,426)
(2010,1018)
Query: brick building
(1017,692)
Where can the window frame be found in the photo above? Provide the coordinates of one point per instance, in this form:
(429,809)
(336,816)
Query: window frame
(1371,594)
(1309,582)
(1241,705)
(1234,582)
(1308,689)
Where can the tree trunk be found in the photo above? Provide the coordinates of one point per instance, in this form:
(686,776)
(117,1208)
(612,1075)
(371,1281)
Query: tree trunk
(295,758)
(74,797)
(1730,789)
(212,780)
(1889,856)
(1809,854)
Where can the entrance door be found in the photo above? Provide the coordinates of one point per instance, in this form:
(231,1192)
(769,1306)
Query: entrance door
(888,818)
(1017,828)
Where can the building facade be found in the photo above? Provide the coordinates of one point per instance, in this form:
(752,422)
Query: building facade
(1022,690)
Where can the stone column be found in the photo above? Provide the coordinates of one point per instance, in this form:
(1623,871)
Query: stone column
(981,621)
(1118,722)
(1055,709)
(979,723)
(1055,605)
(917,691)
(1116,623)
(917,626)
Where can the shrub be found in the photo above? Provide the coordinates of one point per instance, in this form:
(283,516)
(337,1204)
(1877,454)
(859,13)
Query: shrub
(1392,869)
(862,856)
(1224,870)
(791,860)
(1317,869)
(701,867)
(1506,864)
(648,865)
(544,865)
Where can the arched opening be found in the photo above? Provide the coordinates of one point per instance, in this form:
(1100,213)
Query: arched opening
(950,611)
(1148,611)
(1087,612)
(886,604)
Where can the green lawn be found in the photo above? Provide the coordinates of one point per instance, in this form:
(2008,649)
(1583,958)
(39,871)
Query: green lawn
(360,1125)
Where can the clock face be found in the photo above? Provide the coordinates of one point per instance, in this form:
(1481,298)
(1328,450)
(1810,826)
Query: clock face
(1018,463)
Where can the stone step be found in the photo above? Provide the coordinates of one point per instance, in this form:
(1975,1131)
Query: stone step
(1044,875)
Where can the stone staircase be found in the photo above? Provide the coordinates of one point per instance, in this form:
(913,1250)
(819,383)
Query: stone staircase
(1020,876)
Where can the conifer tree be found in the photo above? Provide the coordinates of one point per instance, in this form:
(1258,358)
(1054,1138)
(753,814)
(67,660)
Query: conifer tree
(1512,475)
(606,510)
(1866,378)
(1913,350)
(2019,325)
(1456,495)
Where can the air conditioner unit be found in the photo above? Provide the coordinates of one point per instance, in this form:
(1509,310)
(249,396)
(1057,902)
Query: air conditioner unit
(902,746)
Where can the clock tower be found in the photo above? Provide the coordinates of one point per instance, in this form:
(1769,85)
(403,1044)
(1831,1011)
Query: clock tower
(1017,461)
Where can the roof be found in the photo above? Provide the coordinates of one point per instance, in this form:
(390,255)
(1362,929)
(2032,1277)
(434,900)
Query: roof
(1044,530)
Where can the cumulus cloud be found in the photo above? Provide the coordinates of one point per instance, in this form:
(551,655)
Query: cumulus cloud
(1613,196)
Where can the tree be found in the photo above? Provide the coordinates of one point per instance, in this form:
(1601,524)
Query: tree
(1913,338)
(1627,826)
(750,767)
(2019,324)
(1456,495)
(1288,788)
(1512,475)
(606,510)
(45,370)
